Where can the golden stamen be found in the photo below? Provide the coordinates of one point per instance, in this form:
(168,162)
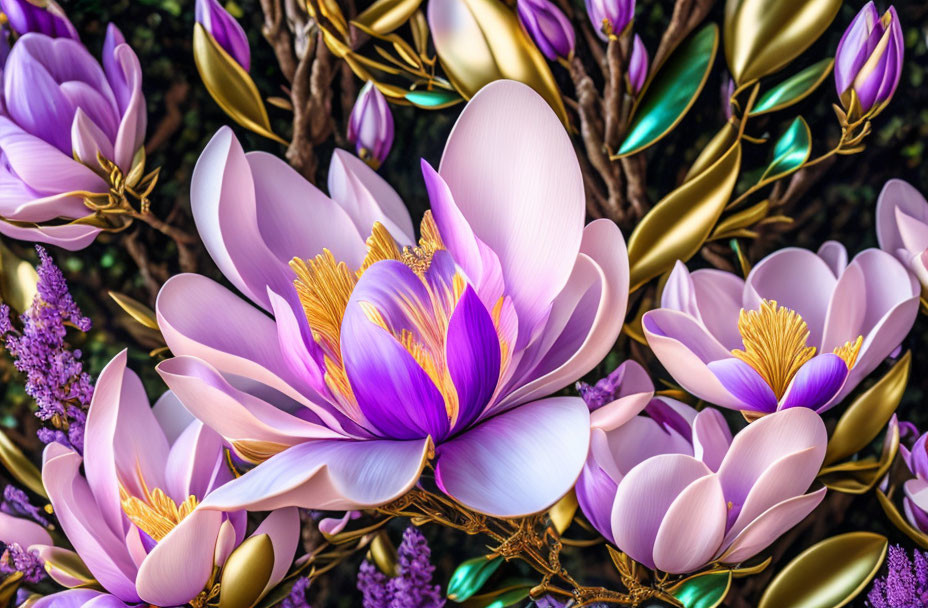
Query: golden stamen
(255,451)
(324,287)
(420,258)
(380,246)
(849,351)
(156,514)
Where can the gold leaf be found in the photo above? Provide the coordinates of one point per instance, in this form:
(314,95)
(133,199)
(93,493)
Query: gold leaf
(9,586)
(383,554)
(384,16)
(751,570)
(868,472)
(136,310)
(680,223)
(18,280)
(64,566)
(479,41)
(717,146)
(230,85)
(762,36)
(828,574)
(563,511)
(863,419)
(742,219)
(246,573)
(896,518)
(14,461)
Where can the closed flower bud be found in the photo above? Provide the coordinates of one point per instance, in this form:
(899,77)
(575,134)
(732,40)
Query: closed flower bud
(549,28)
(638,66)
(46,18)
(869,59)
(225,30)
(370,127)
(610,17)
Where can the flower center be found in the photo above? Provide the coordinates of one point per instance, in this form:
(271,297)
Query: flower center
(156,513)
(774,341)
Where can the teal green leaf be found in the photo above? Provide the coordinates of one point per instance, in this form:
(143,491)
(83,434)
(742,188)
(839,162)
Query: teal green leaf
(794,89)
(672,91)
(512,593)
(790,152)
(470,576)
(435,99)
(703,591)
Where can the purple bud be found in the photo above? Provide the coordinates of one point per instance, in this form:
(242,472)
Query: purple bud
(225,30)
(638,66)
(728,90)
(549,28)
(610,17)
(370,127)
(25,16)
(869,58)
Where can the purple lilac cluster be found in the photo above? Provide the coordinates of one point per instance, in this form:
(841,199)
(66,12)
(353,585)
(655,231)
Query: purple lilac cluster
(16,503)
(17,559)
(604,391)
(297,597)
(55,377)
(411,587)
(905,584)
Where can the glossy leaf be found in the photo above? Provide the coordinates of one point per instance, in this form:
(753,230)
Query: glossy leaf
(510,593)
(720,143)
(762,36)
(384,16)
(230,85)
(246,573)
(679,224)
(383,554)
(740,220)
(435,99)
(860,476)
(673,90)
(18,280)
(703,590)
(794,89)
(563,511)
(828,574)
(866,416)
(896,518)
(136,310)
(16,463)
(479,41)
(790,152)
(65,566)
(470,576)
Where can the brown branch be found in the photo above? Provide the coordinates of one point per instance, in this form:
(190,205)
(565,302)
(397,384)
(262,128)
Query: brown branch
(278,36)
(139,255)
(173,116)
(311,97)
(687,14)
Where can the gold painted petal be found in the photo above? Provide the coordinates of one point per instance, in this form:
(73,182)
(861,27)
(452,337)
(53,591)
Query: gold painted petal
(14,461)
(896,518)
(18,280)
(230,85)
(762,36)
(863,420)
(246,573)
(828,574)
(136,310)
(479,41)
(384,16)
(680,223)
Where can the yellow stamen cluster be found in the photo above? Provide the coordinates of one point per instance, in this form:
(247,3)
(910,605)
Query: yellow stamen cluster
(156,514)
(849,351)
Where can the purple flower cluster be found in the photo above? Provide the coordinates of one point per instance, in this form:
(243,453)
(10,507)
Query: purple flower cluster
(17,559)
(55,377)
(905,584)
(604,391)
(297,597)
(411,587)
(16,503)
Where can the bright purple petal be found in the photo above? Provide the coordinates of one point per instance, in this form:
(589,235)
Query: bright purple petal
(745,384)
(816,382)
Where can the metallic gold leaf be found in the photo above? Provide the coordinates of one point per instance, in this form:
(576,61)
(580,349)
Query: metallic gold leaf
(230,85)
(136,310)
(720,143)
(703,590)
(672,92)
(762,36)
(18,280)
(828,574)
(383,554)
(794,89)
(860,476)
(679,224)
(9,586)
(742,219)
(751,570)
(479,41)
(14,461)
(866,416)
(64,566)
(563,511)
(470,576)
(896,518)
(246,573)
(384,16)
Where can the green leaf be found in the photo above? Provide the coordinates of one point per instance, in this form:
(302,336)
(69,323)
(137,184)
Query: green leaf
(703,591)
(794,89)
(435,99)
(790,152)
(673,90)
(470,576)
(511,593)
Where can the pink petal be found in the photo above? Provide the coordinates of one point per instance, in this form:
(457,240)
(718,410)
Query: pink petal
(692,529)
(898,195)
(635,441)
(49,554)
(711,437)
(171,415)
(88,140)
(719,296)
(283,528)
(846,310)
(25,533)
(916,490)
(196,462)
(635,391)
(72,237)
(835,255)
(74,598)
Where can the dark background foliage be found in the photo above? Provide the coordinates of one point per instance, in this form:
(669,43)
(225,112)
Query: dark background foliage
(182,118)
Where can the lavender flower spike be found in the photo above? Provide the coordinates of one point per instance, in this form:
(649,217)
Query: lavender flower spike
(25,16)
(370,127)
(225,30)
(610,17)
(869,59)
(411,587)
(549,28)
(905,584)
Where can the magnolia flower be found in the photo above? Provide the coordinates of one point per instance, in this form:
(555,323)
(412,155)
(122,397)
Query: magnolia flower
(60,110)
(902,226)
(868,61)
(677,513)
(379,359)
(638,66)
(225,30)
(549,28)
(802,330)
(25,16)
(131,512)
(915,502)
(370,126)
(610,17)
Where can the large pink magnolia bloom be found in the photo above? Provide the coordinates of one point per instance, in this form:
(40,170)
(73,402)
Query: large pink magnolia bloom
(344,388)
(801,331)
(677,513)
(132,514)
(902,226)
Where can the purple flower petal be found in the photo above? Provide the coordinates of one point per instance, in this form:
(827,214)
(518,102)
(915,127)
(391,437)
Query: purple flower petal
(816,382)
(743,381)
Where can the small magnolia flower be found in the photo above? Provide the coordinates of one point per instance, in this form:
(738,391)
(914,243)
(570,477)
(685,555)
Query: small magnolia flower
(677,513)
(549,28)
(370,126)
(638,65)
(610,17)
(60,110)
(130,505)
(225,30)
(25,16)
(915,502)
(869,59)
(902,226)
(802,330)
